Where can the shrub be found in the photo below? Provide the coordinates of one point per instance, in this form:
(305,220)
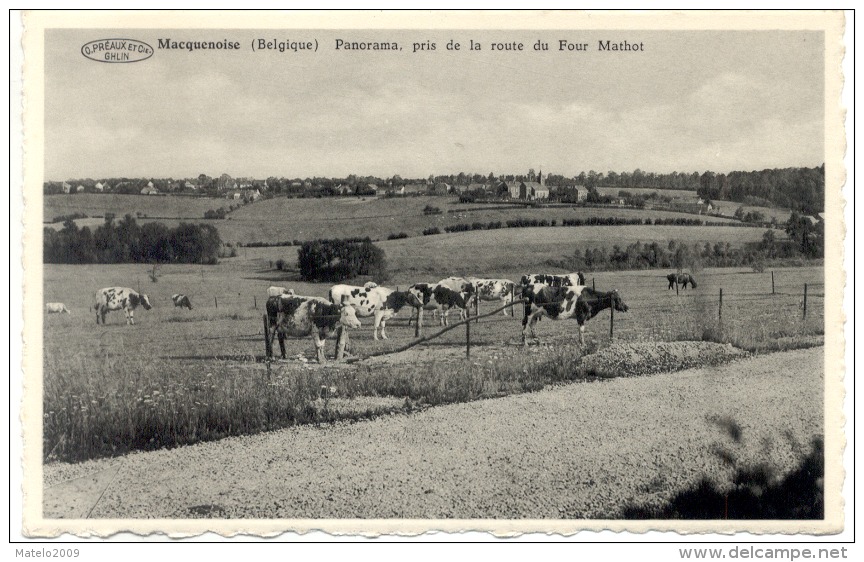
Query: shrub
(397,236)
(280,264)
(341,259)
(431,230)
(430,210)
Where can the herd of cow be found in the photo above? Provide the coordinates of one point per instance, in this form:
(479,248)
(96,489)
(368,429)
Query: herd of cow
(289,315)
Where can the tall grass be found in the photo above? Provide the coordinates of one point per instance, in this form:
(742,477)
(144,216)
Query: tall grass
(98,406)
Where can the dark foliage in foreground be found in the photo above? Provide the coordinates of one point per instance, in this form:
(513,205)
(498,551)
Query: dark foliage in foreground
(757,494)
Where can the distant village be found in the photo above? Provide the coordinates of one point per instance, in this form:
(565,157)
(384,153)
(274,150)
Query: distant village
(531,187)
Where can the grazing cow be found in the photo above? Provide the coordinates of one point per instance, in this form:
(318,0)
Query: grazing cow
(372,300)
(116,298)
(278,291)
(56,308)
(182,301)
(459,285)
(559,303)
(296,316)
(680,278)
(444,298)
(501,290)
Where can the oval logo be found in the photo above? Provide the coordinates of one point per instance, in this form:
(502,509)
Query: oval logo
(117,50)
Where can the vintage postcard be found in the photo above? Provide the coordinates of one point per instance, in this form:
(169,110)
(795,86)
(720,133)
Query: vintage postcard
(378,273)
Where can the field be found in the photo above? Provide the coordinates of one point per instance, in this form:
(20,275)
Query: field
(282,219)
(93,204)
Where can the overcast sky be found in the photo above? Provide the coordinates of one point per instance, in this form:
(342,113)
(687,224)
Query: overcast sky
(692,101)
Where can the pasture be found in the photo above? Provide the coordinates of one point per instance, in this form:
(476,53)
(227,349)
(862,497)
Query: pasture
(179,376)
(95,204)
(282,219)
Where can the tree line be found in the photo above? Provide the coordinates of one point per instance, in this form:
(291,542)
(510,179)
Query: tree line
(125,241)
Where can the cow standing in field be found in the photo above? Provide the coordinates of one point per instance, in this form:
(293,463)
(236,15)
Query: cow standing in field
(462,286)
(444,298)
(296,316)
(181,301)
(532,282)
(371,300)
(559,303)
(680,278)
(423,293)
(116,298)
(56,308)
(279,291)
(501,290)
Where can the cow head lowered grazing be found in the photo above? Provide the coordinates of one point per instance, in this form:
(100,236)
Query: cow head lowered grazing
(117,298)
(559,303)
(296,316)
(371,300)
(682,279)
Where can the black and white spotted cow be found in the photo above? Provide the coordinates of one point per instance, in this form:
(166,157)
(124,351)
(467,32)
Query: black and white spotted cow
(423,293)
(462,286)
(117,298)
(444,299)
(371,300)
(533,282)
(559,303)
(297,316)
(56,308)
(501,290)
(181,300)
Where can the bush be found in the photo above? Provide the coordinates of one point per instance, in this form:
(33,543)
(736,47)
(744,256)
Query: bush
(397,236)
(341,259)
(430,210)
(432,230)
(280,264)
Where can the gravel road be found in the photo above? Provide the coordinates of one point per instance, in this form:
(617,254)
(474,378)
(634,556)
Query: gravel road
(582,450)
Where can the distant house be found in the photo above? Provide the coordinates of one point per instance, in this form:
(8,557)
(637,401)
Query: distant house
(439,188)
(150,190)
(251,194)
(477,187)
(99,187)
(79,189)
(66,187)
(190,185)
(532,191)
(412,189)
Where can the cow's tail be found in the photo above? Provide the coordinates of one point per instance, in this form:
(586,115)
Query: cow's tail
(330,295)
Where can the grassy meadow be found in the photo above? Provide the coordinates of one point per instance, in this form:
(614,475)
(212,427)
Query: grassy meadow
(181,376)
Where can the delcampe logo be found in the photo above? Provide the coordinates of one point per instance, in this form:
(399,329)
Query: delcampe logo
(117,50)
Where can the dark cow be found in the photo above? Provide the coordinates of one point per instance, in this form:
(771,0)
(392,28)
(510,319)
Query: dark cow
(371,300)
(182,301)
(680,278)
(559,303)
(116,298)
(296,316)
(423,293)
(444,298)
(460,285)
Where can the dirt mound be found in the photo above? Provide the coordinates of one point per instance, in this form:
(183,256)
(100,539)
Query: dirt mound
(636,359)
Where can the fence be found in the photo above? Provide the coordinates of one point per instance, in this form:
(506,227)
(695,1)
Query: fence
(728,301)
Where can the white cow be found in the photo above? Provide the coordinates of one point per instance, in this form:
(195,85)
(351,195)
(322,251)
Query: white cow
(56,308)
(116,298)
(501,290)
(278,291)
(559,303)
(371,300)
(296,316)
(462,286)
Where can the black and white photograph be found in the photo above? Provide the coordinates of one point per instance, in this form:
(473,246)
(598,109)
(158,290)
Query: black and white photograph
(401,272)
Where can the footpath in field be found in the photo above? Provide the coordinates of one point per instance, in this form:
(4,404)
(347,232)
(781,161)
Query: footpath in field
(582,450)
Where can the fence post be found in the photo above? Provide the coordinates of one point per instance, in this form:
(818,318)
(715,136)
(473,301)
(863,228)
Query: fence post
(255,301)
(772,282)
(611,322)
(805,301)
(676,286)
(593,286)
(720,312)
(476,308)
(216,302)
(268,345)
(139,284)
(417,323)
(468,339)
(512,298)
